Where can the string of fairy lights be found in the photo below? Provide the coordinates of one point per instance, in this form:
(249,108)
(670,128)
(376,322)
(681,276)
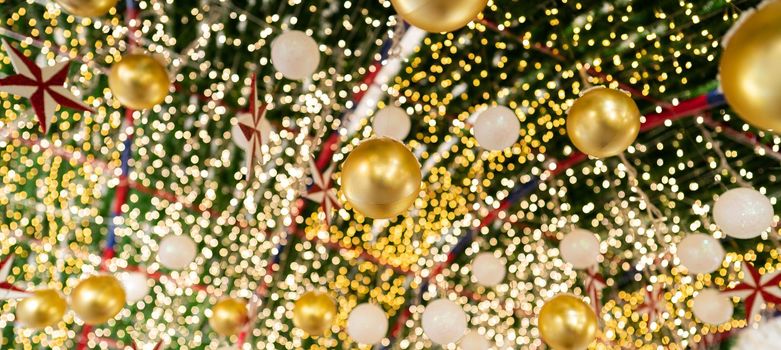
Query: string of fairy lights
(526,62)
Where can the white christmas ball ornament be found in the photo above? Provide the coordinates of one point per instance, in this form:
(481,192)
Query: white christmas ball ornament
(488,270)
(444,322)
(367,324)
(176,252)
(136,286)
(392,122)
(238,136)
(295,55)
(712,307)
(580,248)
(474,341)
(497,128)
(743,213)
(700,253)
(766,336)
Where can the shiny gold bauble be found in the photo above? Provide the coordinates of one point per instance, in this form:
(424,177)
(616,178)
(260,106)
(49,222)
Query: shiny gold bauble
(139,81)
(314,312)
(750,68)
(381,178)
(603,122)
(229,316)
(45,308)
(87,8)
(97,299)
(438,16)
(567,323)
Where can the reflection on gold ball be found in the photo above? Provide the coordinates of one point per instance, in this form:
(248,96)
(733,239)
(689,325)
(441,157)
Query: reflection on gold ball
(98,299)
(603,122)
(314,312)
(229,316)
(87,8)
(139,81)
(567,323)
(751,66)
(45,308)
(381,178)
(438,16)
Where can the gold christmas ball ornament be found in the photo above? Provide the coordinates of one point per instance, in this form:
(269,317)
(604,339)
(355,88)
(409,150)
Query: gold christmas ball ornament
(314,313)
(751,66)
(381,178)
(139,81)
(45,308)
(87,8)
(567,323)
(98,299)
(229,316)
(603,122)
(438,16)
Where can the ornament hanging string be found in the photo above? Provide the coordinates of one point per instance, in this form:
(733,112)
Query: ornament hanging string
(653,211)
(584,77)
(723,162)
(395,53)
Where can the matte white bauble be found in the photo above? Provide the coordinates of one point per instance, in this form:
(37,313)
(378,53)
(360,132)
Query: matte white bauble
(367,324)
(580,248)
(474,341)
(712,307)
(136,286)
(766,336)
(700,253)
(392,122)
(488,270)
(238,137)
(497,128)
(444,322)
(295,55)
(743,213)
(176,252)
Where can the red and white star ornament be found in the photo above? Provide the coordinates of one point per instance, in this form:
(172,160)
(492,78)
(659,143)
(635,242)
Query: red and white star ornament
(756,290)
(252,129)
(238,136)
(8,290)
(595,283)
(322,191)
(653,305)
(44,87)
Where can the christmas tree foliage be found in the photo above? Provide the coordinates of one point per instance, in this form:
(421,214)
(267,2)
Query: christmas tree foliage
(97,192)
